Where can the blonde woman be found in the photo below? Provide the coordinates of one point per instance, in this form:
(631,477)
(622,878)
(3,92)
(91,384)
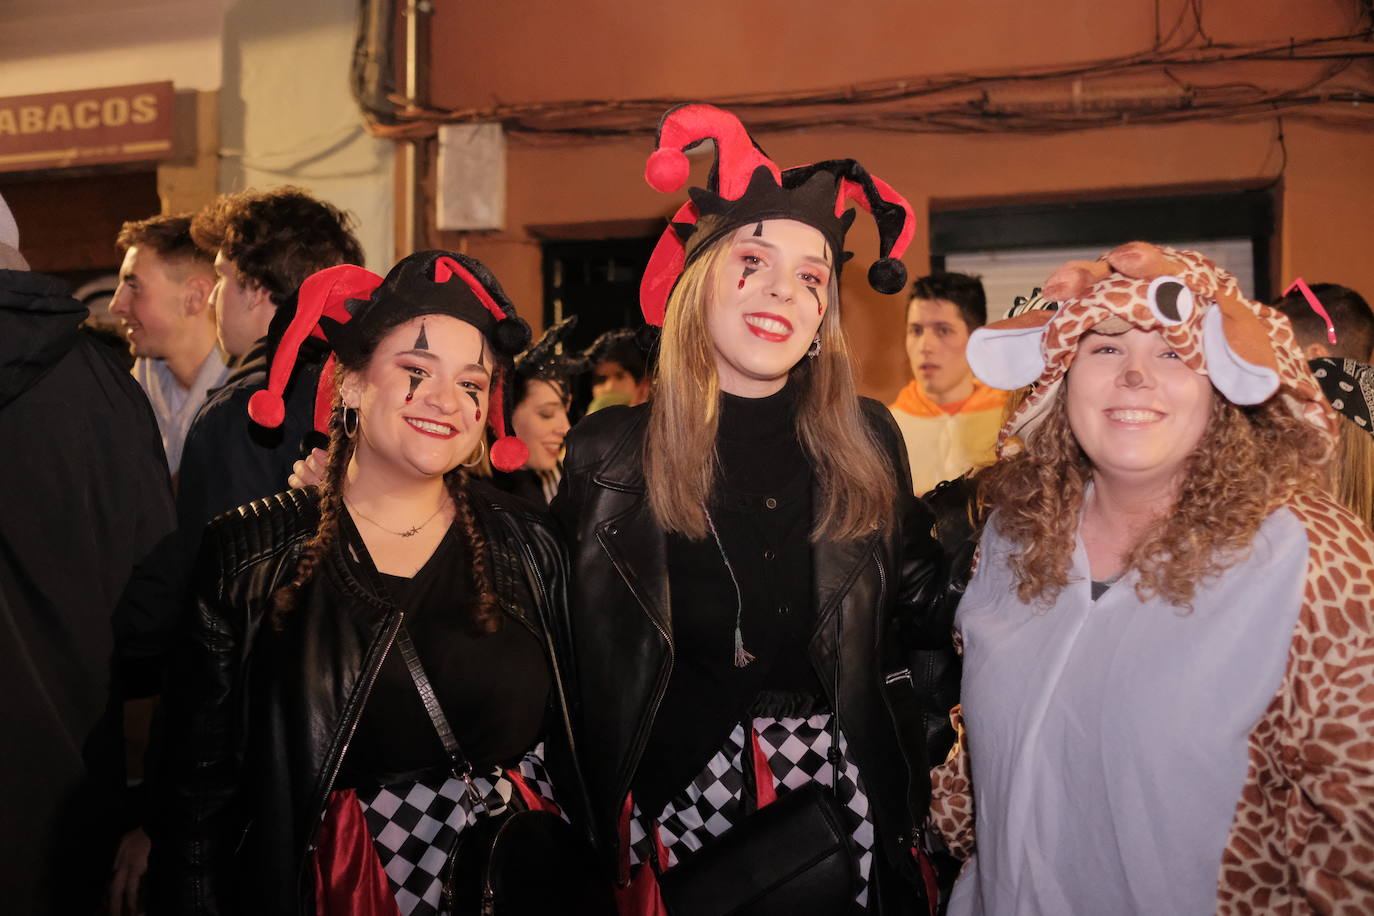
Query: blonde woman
(744,548)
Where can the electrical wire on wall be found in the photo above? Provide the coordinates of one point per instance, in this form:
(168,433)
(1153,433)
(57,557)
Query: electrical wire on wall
(1184,76)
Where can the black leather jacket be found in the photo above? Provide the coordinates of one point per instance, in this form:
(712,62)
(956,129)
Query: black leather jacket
(622,644)
(260,718)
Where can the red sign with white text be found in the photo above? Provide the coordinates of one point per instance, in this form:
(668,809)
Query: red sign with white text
(62,129)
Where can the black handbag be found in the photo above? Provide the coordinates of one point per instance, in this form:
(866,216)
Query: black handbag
(520,863)
(791,857)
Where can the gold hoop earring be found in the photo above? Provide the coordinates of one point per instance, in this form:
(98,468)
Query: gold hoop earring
(481,453)
(350,421)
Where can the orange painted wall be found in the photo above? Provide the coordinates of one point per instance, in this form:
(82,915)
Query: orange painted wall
(608,49)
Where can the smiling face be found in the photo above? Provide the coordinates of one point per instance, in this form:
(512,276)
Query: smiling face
(152,303)
(1135,408)
(540,421)
(422,399)
(768,297)
(936,341)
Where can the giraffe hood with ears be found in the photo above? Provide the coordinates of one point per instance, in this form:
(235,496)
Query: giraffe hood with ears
(1245,348)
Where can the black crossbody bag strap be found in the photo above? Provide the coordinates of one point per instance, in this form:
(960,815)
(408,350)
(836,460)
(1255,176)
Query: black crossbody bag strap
(462,767)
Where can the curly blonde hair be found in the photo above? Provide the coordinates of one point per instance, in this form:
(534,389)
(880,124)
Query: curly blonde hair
(1249,461)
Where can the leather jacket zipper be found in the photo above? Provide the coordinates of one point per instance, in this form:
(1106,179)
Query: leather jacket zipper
(322,803)
(660,689)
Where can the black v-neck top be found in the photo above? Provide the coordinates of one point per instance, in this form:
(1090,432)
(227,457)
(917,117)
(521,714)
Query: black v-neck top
(763,514)
(493,688)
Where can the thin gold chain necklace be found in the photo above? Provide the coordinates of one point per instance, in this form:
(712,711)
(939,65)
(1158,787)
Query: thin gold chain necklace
(408,533)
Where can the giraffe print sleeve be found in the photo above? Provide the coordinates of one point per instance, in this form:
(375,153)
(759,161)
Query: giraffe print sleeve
(1303,835)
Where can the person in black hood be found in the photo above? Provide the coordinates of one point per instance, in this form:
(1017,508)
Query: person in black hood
(87,500)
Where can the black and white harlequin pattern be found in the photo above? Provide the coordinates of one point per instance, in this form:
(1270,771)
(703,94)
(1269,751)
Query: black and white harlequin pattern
(416,825)
(795,749)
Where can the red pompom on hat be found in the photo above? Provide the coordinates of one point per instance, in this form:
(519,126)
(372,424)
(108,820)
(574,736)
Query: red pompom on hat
(324,294)
(745,186)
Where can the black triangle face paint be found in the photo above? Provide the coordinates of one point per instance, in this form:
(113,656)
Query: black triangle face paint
(414,383)
(422,341)
(758,230)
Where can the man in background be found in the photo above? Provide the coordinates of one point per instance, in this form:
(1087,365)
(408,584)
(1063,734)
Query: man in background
(620,372)
(263,245)
(1350,316)
(163,303)
(948,418)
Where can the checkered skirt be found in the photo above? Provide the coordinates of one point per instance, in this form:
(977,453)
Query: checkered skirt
(415,826)
(796,751)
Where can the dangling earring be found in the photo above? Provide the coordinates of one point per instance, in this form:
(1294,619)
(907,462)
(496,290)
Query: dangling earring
(815,349)
(481,453)
(350,421)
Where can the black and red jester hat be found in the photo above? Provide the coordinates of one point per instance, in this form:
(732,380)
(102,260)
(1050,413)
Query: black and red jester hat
(347,306)
(745,186)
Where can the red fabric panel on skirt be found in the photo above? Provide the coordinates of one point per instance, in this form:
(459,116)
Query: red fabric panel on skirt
(532,799)
(764,790)
(349,880)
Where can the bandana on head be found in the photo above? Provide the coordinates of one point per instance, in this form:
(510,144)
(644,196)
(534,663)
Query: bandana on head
(1349,386)
(348,306)
(745,186)
(1246,349)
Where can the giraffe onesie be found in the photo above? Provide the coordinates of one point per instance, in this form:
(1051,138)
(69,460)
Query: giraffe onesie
(1301,816)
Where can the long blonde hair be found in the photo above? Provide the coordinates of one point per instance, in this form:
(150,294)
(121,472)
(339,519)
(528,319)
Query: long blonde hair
(857,483)
(1352,471)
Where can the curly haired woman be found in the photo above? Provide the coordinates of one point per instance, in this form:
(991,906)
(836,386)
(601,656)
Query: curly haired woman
(1168,640)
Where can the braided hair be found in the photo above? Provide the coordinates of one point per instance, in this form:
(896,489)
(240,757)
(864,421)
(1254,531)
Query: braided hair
(485,616)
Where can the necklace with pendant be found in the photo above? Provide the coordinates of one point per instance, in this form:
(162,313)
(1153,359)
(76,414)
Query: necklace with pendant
(408,533)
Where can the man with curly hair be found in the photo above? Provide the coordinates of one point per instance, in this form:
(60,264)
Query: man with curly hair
(264,244)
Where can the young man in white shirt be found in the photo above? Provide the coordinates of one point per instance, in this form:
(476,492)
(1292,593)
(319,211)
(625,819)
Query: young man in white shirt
(163,304)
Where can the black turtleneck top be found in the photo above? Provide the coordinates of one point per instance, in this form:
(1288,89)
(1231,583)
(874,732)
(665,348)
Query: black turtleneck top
(762,511)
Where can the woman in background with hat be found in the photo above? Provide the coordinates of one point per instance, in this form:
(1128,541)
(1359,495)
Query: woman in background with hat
(744,548)
(308,771)
(1168,643)
(541,395)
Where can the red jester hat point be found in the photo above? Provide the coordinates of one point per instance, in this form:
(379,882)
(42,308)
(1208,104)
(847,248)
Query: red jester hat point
(745,186)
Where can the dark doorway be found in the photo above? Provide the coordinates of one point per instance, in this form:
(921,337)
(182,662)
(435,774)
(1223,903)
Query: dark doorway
(967,230)
(598,281)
